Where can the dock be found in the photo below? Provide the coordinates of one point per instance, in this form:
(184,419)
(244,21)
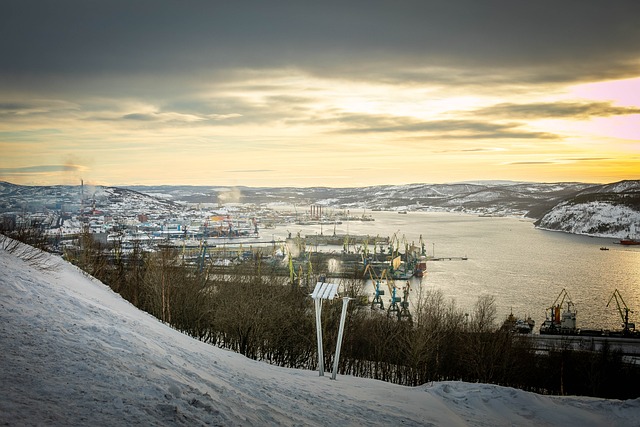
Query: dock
(629,347)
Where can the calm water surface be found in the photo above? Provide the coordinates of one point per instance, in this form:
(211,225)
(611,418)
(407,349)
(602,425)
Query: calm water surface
(523,267)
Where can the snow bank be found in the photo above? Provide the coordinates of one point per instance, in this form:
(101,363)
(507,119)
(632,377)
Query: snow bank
(75,353)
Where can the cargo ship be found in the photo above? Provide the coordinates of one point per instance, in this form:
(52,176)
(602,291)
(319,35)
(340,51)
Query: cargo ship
(564,322)
(517,325)
(629,242)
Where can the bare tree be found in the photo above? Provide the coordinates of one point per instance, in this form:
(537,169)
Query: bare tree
(34,256)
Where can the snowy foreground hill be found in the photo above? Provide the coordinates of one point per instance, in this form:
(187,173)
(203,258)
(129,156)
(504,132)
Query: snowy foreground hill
(72,352)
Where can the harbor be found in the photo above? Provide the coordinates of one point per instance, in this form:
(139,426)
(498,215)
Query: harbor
(461,255)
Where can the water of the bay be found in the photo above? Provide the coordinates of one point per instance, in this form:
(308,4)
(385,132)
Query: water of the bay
(523,267)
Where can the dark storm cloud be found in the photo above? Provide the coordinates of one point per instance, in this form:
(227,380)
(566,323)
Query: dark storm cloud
(543,110)
(534,41)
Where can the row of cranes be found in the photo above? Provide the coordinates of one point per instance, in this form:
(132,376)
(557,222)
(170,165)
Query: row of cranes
(383,266)
(398,306)
(559,322)
(397,264)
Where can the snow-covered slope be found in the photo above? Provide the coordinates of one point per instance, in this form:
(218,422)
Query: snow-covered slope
(611,210)
(75,353)
(595,218)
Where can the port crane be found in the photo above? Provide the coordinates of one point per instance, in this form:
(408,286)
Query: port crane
(627,327)
(399,306)
(565,322)
(404,312)
(377,299)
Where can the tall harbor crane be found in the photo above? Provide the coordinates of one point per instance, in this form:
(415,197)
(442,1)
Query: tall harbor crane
(557,322)
(627,327)
(377,299)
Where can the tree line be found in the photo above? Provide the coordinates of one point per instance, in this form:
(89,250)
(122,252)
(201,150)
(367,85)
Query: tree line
(266,317)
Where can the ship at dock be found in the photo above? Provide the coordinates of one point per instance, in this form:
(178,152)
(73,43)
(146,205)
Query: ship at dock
(344,240)
(562,316)
(518,325)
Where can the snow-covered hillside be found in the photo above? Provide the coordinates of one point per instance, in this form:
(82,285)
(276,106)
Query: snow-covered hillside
(597,218)
(505,197)
(75,353)
(611,210)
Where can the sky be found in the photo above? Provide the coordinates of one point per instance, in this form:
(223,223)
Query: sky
(332,93)
(76,353)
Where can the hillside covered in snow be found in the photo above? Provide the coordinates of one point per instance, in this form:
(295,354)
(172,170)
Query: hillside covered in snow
(76,353)
(611,210)
(483,197)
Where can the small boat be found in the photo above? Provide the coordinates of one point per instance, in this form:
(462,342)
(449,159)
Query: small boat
(604,248)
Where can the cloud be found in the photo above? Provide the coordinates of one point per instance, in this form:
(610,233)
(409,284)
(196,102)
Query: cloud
(533,41)
(16,110)
(249,171)
(30,170)
(160,82)
(532,163)
(140,117)
(545,110)
(589,159)
(13,107)
(473,150)
(440,129)
(560,161)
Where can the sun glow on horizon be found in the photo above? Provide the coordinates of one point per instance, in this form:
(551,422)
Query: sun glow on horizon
(276,128)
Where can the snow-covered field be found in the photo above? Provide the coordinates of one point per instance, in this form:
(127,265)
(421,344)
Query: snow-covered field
(72,352)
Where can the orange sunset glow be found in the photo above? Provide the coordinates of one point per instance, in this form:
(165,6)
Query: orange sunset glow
(341,95)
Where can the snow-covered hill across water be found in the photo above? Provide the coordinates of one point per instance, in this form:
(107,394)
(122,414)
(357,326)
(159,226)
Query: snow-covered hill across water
(611,210)
(72,352)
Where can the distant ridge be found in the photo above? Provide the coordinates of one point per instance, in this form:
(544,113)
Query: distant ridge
(583,208)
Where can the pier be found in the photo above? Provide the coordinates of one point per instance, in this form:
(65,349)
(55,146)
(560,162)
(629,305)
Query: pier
(629,347)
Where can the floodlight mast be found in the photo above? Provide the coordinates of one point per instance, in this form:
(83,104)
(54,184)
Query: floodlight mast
(321,292)
(318,304)
(343,316)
